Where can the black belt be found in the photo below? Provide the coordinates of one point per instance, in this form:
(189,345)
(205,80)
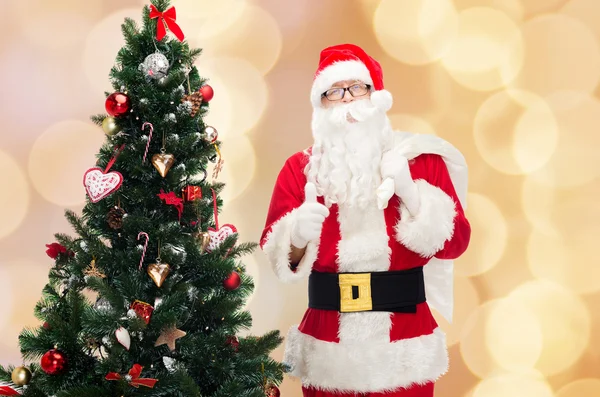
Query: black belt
(393,291)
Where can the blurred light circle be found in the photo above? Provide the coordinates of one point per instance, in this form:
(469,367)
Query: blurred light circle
(291,17)
(59,158)
(513,336)
(562,253)
(533,7)
(239,167)
(38,21)
(36,277)
(416,32)
(206,18)
(564,321)
(245,87)
(473,342)
(259,32)
(515,132)
(101,47)
(550,54)
(513,385)
(538,201)
(26,74)
(488,52)
(6,297)
(466,300)
(512,8)
(13,205)
(410,123)
(575,160)
(565,260)
(580,388)
(489,234)
(220,107)
(586,11)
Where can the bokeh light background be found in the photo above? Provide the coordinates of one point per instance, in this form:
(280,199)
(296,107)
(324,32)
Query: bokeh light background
(512,83)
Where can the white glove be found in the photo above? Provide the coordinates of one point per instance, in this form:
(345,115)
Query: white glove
(309,218)
(395,166)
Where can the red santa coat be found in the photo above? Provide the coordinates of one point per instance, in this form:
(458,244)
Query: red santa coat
(368,351)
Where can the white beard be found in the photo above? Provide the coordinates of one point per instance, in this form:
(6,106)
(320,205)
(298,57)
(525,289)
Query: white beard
(344,164)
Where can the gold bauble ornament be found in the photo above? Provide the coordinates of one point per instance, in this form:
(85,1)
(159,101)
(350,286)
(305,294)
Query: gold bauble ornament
(163,163)
(21,376)
(109,125)
(203,239)
(158,272)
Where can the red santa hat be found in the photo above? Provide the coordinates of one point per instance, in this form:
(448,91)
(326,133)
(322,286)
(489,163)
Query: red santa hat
(349,62)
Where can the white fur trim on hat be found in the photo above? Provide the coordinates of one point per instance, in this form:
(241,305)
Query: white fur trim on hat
(382,100)
(338,71)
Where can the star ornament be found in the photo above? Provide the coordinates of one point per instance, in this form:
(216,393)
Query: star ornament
(168,337)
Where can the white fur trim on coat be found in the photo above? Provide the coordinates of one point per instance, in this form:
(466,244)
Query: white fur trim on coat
(278,247)
(338,71)
(426,232)
(366,366)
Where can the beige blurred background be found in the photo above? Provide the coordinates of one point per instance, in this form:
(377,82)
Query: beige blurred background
(512,83)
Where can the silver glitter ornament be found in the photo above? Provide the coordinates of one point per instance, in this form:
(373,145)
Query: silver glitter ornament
(210,134)
(163,81)
(155,66)
(170,364)
(102,305)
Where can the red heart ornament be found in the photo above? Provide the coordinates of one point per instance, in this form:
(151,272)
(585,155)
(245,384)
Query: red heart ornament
(218,236)
(99,184)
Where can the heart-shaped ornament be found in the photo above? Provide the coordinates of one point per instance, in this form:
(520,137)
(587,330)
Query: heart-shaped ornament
(218,236)
(163,163)
(123,337)
(99,185)
(158,272)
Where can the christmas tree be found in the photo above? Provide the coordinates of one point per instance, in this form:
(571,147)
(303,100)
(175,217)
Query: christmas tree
(166,279)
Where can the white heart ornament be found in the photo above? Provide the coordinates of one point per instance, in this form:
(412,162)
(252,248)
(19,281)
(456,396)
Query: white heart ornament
(218,236)
(99,184)
(123,337)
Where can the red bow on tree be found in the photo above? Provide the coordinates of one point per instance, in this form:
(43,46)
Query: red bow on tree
(8,391)
(171,199)
(168,18)
(133,378)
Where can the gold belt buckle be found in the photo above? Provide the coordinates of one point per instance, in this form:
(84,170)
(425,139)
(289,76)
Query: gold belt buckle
(364,301)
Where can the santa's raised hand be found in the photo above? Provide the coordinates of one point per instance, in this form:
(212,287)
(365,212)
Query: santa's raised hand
(396,167)
(309,218)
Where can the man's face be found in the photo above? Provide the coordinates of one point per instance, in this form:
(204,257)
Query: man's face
(345,91)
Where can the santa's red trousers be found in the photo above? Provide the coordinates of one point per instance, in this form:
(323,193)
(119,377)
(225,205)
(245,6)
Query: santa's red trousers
(425,390)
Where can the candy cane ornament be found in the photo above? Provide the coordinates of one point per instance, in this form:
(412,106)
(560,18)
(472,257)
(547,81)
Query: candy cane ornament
(147,124)
(220,233)
(144,234)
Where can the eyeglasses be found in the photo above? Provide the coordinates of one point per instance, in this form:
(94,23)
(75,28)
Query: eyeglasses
(356,90)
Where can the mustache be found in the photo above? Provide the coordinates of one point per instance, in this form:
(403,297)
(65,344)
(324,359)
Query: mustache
(361,110)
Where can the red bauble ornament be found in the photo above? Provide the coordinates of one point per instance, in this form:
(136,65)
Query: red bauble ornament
(232,282)
(117,104)
(143,309)
(207,93)
(46,325)
(233,342)
(272,391)
(54,362)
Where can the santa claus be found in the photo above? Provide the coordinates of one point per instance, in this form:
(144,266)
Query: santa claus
(373,218)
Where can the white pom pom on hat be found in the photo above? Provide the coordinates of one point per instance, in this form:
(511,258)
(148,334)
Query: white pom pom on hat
(349,62)
(382,100)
